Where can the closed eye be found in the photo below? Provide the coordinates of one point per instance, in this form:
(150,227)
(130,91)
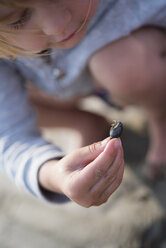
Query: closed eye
(25,17)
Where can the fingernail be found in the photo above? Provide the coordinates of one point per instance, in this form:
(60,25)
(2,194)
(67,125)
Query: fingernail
(100,144)
(117,143)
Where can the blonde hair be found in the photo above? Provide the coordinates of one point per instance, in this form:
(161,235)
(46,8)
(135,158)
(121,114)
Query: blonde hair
(10,51)
(7,50)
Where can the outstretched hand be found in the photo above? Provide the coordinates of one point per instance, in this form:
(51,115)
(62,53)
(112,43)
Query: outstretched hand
(88,175)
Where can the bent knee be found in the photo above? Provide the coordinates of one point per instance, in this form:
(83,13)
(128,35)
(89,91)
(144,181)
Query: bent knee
(132,63)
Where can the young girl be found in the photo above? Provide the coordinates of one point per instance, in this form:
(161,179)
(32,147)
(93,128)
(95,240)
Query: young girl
(121,45)
(88,175)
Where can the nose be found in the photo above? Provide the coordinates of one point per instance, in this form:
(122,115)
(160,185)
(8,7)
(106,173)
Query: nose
(55,20)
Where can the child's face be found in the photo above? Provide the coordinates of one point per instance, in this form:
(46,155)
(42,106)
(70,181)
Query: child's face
(48,23)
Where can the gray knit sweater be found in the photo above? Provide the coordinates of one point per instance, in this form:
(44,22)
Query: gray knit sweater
(22,148)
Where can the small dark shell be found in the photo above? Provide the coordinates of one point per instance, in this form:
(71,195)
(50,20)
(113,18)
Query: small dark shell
(116,129)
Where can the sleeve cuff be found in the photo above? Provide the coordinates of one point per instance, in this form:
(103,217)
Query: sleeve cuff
(32,179)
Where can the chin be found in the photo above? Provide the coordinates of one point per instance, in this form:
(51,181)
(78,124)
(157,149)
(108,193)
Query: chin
(66,45)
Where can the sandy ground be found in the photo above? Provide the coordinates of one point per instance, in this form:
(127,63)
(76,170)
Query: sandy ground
(132,218)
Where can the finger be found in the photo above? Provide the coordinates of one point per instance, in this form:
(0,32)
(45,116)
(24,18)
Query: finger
(94,171)
(87,154)
(110,175)
(111,188)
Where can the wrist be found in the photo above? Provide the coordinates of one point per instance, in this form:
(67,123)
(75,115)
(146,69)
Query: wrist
(48,178)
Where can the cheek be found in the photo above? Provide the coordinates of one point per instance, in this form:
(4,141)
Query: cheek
(32,43)
(80,9)
(94,7)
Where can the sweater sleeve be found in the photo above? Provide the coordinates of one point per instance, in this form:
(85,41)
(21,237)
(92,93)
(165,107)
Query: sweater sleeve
(22,148)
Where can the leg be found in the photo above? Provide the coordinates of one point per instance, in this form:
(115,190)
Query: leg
(55,113)
(133,70)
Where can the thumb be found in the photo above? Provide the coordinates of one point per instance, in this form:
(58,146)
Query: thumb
(89,153)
